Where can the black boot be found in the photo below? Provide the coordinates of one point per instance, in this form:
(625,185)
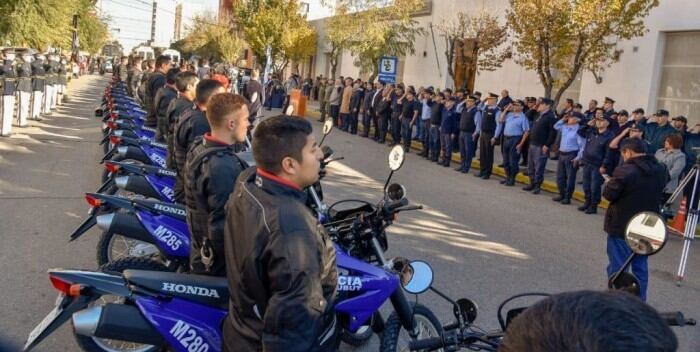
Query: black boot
(537,189)
(558,198)
(566,200)
(529,187)
(585,206)
(592,209)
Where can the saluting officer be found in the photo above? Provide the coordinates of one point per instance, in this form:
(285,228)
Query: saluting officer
(468,134)
(486,127)
(24,88)
(515,128)
(38,85)
(8,77)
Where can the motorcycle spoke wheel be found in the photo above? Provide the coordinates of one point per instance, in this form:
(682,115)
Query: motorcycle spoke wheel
(425,330)
(122,247)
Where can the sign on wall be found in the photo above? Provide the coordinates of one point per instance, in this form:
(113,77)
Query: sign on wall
(387,69)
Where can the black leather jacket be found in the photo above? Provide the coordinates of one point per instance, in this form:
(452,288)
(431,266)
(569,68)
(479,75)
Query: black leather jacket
(192,124)
(281,270)
(211,171)
(176,108)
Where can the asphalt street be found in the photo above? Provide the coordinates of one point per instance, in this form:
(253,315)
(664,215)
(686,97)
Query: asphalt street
(484,241)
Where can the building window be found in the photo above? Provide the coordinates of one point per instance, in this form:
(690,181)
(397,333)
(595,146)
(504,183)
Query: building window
(679,89)
(304,8)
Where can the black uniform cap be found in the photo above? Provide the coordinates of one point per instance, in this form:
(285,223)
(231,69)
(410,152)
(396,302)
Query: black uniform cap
(609,100)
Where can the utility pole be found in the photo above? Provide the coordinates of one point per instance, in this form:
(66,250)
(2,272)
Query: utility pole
(153,23)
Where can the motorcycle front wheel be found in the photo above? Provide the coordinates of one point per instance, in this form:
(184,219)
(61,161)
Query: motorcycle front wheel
(396,338)
(96,344)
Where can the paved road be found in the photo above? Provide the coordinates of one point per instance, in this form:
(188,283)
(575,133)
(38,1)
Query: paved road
(485,241)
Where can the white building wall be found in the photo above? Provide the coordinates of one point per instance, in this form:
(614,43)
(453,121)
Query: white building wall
(632,82)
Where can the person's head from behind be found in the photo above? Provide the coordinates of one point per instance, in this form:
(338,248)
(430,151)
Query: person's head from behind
(632,148)
(125,60)
(186,83)
(285,146)
(227,114)
(673,141)
(137,62)
(589,321)
(207,88)
(171,76)
(151,65)
(163,63)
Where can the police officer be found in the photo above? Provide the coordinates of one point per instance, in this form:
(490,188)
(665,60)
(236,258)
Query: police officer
(435,122)
(54,63)
(8,78)
(134,77)
(515,129)
(155,82)
(186,84)
(657,129)
(210,175)
(122,70)
(162,100)
(50,82)
(409,115)
(467,134)
(608,107)
(542,137)
(38,86)
(190,125)
(62,81)
(449,127)
(596,159)
(24,88)
(486,128)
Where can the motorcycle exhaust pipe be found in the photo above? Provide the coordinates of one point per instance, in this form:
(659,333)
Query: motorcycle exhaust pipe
(136,184)
(125,224)
(117,322)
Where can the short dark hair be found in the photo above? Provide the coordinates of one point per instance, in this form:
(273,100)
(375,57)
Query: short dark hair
(634,144)
(205,89)
(220,106)
(171,75)
(570,101)
(151,63)
(675,139)
(589,321)
(162,60)
(184,79)
(279,137)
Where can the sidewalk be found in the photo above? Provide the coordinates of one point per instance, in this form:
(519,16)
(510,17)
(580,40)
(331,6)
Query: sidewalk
(550,175)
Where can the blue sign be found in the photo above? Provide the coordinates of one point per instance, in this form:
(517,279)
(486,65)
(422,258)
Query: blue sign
(387,69)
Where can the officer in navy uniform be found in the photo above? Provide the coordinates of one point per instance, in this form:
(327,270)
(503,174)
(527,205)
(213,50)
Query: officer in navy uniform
(62,81)
(38,85)
(542,136)
(467,133)
(486,128)
(8,80)
(609,107)
(24,88)
(596,159)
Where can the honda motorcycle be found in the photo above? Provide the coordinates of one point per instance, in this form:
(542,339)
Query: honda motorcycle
(151,310)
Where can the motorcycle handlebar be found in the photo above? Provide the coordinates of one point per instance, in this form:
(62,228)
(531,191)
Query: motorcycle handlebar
(676,319)
(429,344)
(393,205)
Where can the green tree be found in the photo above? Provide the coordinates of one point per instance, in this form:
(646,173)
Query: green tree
(298,44)
(213,37)
(341,29)
(560,38)
(92,30)
(37,23)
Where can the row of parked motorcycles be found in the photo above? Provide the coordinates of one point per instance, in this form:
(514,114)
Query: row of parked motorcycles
(142,298)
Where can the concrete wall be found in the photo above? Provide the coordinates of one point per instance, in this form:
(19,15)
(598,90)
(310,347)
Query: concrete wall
(633,82)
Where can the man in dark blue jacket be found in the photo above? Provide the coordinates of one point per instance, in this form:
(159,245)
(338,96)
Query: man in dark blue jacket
(596,159)
(657,129)
(449,127)
(542,136)
(486,127)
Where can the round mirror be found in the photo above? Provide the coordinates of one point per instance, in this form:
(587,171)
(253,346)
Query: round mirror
(395,192)
(396,158)
(327,126)
(646,233)
(467,309)
(289,110)
(625,282)
(420,279)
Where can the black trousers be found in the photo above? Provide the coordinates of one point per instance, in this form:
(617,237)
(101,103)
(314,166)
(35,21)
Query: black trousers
(486,153)
(396,127)
(383,126)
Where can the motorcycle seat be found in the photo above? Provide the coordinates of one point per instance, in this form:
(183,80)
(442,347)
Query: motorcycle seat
(209,290)
(174,210)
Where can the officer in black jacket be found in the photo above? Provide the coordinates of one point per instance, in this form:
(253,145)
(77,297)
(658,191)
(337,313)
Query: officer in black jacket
(8,85)
(186,84)
(596,159)
(38,86)
(542,136)
(467,134)
(162,100)
(192,124)
(211,171)
(24,88)
(155,82)
(280,262)
(486,127)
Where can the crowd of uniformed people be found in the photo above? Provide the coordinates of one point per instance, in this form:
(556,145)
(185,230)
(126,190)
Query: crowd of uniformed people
(32,85)
(529,132)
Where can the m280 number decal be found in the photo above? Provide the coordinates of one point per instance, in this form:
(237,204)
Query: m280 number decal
(188,337)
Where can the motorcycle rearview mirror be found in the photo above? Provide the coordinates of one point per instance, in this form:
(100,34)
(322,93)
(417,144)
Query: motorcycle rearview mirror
(646,233)
(417,277)
(327,128)
(466,309)
(395,192)
(625,281)
(396,158)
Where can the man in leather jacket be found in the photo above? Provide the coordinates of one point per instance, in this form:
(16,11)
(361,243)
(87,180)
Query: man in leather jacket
(210,175)
(162,100)
(280,263)
(192,124)
(186,85)
(155,82)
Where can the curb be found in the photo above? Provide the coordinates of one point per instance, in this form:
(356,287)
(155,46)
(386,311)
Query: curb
(547,186)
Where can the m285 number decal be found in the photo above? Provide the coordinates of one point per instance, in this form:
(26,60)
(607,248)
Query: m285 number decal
(166,236)
(188,337)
